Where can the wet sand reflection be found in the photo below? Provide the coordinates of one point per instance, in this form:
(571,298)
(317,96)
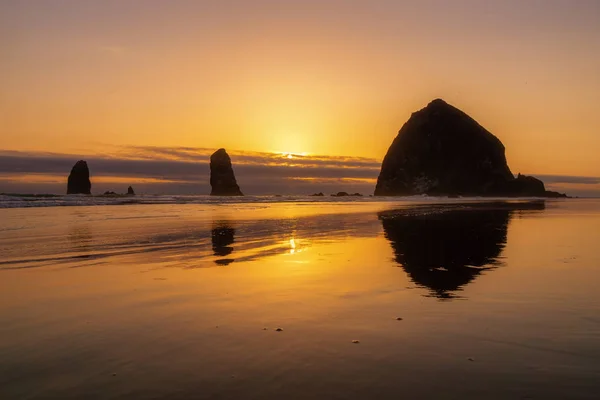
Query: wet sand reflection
(445,248)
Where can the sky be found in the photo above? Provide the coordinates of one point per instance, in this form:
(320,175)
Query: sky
(334,80)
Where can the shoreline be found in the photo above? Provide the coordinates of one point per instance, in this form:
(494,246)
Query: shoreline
(8,201)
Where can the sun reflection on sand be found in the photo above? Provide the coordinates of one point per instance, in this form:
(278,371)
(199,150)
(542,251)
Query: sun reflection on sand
(209,285)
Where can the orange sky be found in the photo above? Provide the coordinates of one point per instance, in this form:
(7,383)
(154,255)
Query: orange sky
(326,77)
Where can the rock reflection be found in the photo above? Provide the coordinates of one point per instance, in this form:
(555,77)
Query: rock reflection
(222,236)
(445,248)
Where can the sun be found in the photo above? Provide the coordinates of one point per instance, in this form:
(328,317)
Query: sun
(291,156)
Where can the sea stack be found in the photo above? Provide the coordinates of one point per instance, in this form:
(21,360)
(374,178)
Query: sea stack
(441,151)
(130,191)
(79,179)
(222,178)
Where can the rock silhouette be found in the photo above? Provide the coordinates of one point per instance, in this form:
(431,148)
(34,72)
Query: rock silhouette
(440,150)
(344,194)
(79,179)
(445,248)
(130,191)
(222,178)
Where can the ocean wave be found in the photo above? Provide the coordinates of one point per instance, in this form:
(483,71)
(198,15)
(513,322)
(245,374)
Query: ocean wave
(50,200)
(53,200)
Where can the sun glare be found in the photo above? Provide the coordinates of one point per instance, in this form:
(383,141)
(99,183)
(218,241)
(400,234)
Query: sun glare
(291,156)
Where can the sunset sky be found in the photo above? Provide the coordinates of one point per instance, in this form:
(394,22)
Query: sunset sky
(332,81)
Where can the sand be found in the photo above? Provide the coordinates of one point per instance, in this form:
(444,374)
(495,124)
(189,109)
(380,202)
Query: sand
(299,300)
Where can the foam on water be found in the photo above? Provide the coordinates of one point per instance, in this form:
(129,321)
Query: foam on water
(45,200)
(51,200)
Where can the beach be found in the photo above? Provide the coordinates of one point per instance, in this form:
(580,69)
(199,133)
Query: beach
(299,298)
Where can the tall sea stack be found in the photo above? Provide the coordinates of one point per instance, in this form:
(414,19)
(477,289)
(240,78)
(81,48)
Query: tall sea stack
(440,150)
(222,179)
(79,179)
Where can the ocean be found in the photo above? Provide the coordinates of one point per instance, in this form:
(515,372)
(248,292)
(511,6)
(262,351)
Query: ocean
(193,297)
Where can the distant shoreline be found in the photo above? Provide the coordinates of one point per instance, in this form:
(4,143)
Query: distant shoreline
(16,200)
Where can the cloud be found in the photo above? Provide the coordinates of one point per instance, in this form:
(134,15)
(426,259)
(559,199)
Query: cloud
(241,157)
(185,170)
(583,186)
(583,180)
(169,170)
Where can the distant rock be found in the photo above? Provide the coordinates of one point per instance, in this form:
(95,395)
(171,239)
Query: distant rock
(130,191)
(79,179)
(551,193)
(222,178)
(110,193)
(440,150)
(344,194)
(318,194)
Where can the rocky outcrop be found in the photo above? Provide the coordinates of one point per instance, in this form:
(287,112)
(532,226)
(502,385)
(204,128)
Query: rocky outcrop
(527,186)
(344,194)
(222,178)
(551,193)
(440,150)
(130,191)
(79,179)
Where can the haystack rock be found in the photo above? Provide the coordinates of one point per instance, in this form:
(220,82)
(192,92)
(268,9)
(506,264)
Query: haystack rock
(440,150)
(79,179)
(130,191)
(222,179)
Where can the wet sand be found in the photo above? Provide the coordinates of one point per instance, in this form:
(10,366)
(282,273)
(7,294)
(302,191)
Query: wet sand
(494,300)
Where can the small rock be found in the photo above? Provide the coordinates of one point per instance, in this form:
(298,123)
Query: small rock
(264,329)
(398,319)
(356,341)
(278,330)
(471,359)
(114,374)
